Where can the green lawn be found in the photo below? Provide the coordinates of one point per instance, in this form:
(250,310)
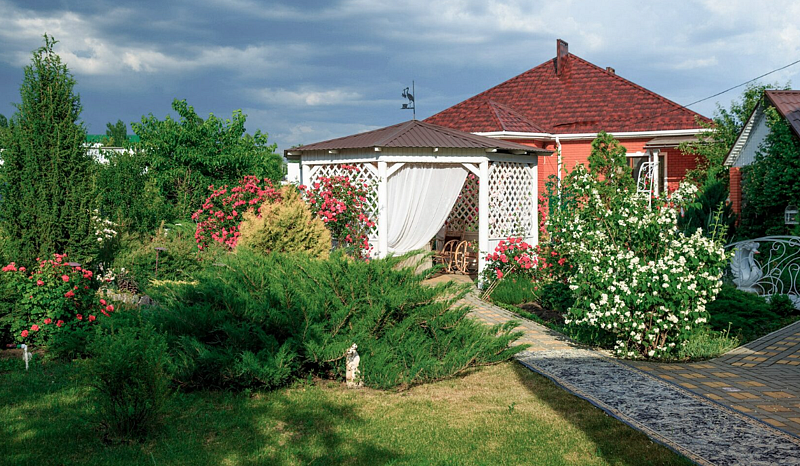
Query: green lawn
(502,414)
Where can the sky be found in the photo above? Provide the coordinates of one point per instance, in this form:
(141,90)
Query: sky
(306,71)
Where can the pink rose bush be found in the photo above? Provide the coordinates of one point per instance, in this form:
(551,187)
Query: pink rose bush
(54,297)
(343,204)
(219,217)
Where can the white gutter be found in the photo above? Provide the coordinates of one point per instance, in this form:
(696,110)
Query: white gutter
(558,145)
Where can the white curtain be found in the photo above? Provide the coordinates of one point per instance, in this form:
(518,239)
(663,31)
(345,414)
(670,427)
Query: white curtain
(420,197)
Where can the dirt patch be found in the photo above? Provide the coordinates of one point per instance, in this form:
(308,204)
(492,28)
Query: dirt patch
(547,315)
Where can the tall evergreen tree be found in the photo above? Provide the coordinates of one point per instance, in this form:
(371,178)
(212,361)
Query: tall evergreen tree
(117,134)
(47,202)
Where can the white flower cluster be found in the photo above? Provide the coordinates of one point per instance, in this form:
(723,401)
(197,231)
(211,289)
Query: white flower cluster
(103,228)
(635,275)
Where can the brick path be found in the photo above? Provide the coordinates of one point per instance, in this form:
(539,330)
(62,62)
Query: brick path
(760,379)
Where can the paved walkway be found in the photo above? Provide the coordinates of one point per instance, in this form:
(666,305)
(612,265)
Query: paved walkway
(761,378)
(672,403)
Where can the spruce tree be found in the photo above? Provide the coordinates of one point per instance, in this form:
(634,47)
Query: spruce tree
(46,201)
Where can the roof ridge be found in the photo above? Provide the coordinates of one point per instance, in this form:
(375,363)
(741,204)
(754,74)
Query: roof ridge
(514,112)
(491,104)
(401,128)
(639,87)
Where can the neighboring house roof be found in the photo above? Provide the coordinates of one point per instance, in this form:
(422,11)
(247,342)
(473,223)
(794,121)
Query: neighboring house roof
(788,105)
(754,131)
(415,133)
(582,98)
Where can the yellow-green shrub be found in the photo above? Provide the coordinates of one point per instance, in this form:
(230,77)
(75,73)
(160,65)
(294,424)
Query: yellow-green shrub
(286,226)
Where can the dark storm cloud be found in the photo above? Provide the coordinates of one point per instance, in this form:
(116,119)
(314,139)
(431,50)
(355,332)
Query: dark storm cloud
(306,71)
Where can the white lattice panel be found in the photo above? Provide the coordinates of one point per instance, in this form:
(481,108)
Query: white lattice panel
(464,216)
(363,175)
(510,199)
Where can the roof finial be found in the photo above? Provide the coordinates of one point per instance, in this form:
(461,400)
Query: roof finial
(411,105)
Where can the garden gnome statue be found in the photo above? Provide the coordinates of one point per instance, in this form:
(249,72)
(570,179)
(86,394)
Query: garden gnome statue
(353,375)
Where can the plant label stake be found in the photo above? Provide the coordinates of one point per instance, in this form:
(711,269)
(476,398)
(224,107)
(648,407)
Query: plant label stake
(26,356)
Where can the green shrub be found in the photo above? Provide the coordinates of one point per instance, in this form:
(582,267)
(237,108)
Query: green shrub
(557,296)
(178,260)
(128,372)
(745,314)
(286,226)
(782,305)
(260,320)
(514,290)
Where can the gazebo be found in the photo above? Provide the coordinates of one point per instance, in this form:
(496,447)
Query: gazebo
(430,178)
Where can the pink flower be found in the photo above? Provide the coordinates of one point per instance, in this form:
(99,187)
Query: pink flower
(110,308)
(24,334)
(103,302)
(47,321)
(92,318)
(499,273)
(69,294)
(35,328)
(79,317)
(59,323)
(65,278)
(39,283)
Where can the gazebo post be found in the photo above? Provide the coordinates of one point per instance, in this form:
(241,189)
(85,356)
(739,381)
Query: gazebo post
(383,226)
(483,215)
(535,206)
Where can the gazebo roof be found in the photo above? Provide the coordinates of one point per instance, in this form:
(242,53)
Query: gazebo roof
(417,134)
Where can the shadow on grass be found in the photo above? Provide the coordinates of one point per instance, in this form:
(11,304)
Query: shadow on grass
(615,441)
(298,426)
(46,418)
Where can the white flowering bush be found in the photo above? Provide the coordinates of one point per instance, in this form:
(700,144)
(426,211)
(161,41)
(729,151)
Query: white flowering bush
(635,276)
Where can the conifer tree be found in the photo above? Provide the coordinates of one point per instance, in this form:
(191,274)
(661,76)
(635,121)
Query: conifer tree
(46,201)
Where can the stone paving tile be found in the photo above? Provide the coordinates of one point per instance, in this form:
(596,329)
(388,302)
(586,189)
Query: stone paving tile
(747,379)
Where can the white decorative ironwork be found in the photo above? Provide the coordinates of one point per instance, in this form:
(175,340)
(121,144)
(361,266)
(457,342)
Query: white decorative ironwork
(790,215)
(464,216)
(767,266)
(510,199)
(366,173)
(646,177)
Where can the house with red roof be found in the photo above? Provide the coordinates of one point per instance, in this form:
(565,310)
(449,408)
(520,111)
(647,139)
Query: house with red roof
(755,132)
(563,103)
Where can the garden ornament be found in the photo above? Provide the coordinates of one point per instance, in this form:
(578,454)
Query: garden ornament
(353,375)
(26,356)
(745,269)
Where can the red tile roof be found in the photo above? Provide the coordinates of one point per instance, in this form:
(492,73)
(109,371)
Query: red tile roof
(583,99)
(788,104)
(415,133)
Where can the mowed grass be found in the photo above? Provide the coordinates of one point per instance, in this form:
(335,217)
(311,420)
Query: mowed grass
(502,414)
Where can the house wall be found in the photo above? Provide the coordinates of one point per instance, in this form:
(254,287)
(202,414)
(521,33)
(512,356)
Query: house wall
(574,152)
(757,135)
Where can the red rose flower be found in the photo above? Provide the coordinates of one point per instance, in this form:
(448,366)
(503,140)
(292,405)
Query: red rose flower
(39,283)
(24,334)
(103,302)
(35,328)
(79,317)
(59,323)
(47,321)
(65,278)
(69,294)
(92,318)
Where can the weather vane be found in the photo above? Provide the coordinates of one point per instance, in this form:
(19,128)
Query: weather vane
(411,105)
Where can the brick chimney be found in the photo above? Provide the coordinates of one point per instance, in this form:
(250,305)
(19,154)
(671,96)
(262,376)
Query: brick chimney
(562,50)
(611,70)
